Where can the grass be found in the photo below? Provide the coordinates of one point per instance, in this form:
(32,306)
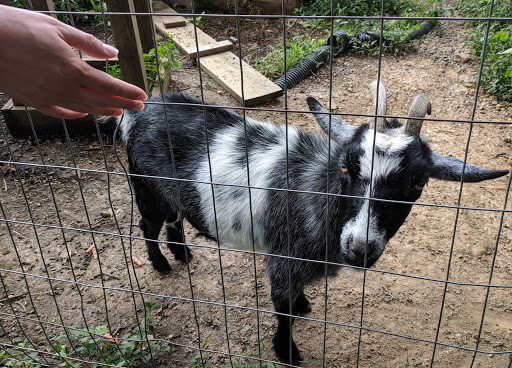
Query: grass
(497,72)
(272,64)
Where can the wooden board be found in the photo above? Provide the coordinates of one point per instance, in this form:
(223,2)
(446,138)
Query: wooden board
(225,69)
(18,122)
(99,63)
(165,22)
(210,49)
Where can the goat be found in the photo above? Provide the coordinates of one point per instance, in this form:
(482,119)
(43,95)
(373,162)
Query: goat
(322,200)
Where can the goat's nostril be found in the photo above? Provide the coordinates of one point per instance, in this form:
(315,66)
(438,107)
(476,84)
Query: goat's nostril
(358,248)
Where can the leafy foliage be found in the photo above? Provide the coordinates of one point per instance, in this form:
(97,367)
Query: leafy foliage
(497,72)
(167,60)
(135,346)
(75,6)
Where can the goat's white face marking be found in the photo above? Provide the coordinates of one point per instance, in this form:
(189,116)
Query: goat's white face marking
(363,228)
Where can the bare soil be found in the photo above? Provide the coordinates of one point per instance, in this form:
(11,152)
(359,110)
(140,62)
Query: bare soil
(434,244)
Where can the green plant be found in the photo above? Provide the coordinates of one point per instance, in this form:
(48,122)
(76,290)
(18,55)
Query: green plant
(135,346)
(272,64)
(497,72)
(396,32)
(167,60)
(76,6)
(201,360)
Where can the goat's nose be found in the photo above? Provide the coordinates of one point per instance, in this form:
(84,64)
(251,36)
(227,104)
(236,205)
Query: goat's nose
(358,248)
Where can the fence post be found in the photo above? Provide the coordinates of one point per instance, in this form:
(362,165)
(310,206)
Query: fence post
(145,24)
(44,5)
(126,36)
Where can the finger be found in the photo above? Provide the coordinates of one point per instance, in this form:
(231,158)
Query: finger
(94,98)
(59,112)
(108,85)
(87,43)
(89,109)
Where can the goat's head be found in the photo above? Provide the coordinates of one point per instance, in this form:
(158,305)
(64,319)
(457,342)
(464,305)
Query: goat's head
(391,163)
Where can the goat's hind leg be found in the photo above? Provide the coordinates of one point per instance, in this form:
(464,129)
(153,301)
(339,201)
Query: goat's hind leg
(176,240)
(151,229)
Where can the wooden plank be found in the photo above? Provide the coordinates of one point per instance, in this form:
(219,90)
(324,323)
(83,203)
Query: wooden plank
(210,49)
(225,69)
(165,22)
(99,63)
(18,122)
(184,37)
(127,40)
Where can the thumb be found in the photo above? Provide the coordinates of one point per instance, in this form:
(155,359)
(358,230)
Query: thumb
(88,43)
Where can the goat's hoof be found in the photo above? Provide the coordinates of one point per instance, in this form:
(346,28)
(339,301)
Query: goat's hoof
(162,266)
(283,352)
(183,256)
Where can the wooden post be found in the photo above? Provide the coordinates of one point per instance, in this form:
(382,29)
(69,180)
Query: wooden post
(145,25)
(44,5)
(127,39)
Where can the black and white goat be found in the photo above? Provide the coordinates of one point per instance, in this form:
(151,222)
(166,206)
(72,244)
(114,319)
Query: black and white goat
(344,227)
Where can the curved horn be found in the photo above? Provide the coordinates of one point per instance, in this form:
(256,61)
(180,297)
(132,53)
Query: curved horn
(340,131)
(382,108)
(419,108)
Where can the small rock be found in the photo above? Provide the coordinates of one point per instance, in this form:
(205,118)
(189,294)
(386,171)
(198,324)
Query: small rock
(245,329)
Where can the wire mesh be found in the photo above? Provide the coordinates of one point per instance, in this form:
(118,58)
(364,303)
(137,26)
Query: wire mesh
(421,305)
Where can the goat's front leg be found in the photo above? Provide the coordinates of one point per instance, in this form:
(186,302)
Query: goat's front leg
(285,293)
(284,346)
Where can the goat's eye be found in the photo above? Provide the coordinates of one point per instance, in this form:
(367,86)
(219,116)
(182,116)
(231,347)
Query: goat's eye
(344,168)
(420,185)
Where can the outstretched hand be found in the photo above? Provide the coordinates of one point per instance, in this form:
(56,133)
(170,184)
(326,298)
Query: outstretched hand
(39,68)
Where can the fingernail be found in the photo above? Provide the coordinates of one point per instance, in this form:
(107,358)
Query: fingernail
(110,49)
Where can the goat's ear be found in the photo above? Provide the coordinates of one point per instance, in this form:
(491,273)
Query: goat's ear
(449,168)
(341,131)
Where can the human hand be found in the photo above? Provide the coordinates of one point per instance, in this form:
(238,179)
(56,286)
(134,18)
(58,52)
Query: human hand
(39,68)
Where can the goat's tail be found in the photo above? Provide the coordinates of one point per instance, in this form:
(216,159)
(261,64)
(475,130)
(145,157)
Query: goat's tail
(122,123)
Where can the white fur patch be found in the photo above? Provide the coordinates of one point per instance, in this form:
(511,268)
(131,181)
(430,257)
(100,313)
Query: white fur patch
(232,203)
(385,159)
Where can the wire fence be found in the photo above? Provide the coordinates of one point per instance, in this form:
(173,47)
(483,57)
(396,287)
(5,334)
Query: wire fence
(75,293)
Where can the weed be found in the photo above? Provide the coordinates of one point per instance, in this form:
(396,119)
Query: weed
(135,346)
(272,64)
(396,32)
(497,72)
(201,360)
(167,60)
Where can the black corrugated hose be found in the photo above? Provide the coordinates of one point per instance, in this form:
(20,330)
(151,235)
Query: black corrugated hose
(339,42)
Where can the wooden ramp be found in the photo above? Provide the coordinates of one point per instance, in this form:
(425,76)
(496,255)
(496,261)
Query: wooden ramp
(221,65)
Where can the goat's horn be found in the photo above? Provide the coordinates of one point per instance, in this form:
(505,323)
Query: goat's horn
(381,109)
(419,108)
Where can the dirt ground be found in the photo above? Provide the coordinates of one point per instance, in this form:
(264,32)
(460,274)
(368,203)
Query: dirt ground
(429,248)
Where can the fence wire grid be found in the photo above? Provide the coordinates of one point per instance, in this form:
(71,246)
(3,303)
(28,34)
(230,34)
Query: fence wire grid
(440,296)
